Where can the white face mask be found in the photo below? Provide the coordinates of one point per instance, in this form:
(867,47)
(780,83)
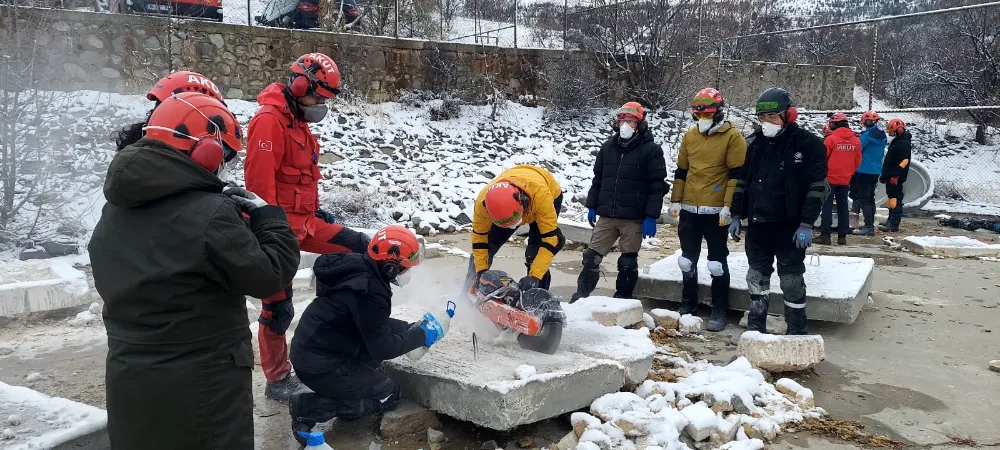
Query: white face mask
(402,279)
(705,124)
(769,129)
(890,138)
(625,131)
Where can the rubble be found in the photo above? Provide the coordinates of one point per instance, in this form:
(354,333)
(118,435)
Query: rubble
(568,442)
(781,353)
(611,312)
(690,324)
(995,365)
(434,436)
(408,419)
(799,394)
(666,318)
(702,422)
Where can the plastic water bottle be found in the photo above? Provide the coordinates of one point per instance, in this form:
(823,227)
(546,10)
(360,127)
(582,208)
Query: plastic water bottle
(315,440)
(444,320)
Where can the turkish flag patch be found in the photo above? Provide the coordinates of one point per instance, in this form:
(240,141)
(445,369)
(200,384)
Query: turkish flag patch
(264,146)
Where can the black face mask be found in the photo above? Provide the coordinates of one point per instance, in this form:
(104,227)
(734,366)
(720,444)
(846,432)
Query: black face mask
(314,113)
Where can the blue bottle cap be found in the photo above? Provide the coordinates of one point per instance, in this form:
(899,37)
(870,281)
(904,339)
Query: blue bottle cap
(450,308)
(313,438)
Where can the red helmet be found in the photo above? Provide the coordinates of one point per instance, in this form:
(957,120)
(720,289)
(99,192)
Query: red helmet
(895,127)
(199,125)
(505,204)
(870,116)
(396,244)
(315,74)
(707,100)
(837,117)
(826,129)
(631,110)
(179,82)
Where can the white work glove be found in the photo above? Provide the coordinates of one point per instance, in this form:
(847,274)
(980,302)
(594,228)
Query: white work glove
(725,217)
(674,210)
(246,200)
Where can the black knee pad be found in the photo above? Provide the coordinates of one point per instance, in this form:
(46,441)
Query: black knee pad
(592,259)
(793,287)
(628,262)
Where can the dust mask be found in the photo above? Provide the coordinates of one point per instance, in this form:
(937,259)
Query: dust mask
(704,125)
(769,129)
(625,131)
(402,279)
(889,138)
(314,113)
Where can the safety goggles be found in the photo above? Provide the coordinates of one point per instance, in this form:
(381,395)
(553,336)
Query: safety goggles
(632,121)
(701,115)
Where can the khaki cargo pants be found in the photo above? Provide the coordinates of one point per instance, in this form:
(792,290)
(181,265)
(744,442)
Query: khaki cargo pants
(608,230)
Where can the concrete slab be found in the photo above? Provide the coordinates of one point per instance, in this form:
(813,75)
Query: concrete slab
(47,422)
(950,246)
(836,286)
(41,285)
(481,388)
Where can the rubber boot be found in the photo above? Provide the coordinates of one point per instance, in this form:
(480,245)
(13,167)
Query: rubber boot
(795,318)
(282,390)
(842,239)
(628,275)
(720,303)
(824,239)
(689,293)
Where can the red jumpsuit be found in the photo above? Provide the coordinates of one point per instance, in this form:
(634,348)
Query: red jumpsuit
(282,168)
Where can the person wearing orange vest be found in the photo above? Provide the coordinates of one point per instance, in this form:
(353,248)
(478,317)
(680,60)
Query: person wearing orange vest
(282,168)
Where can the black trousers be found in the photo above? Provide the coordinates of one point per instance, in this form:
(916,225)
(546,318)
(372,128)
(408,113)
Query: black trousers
(498,236)
(768,242)
(863,191)
(843,220)
(691,230)
(894,191)
(349,392)
(163,397)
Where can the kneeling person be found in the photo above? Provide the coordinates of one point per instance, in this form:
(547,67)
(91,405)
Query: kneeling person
(346,332)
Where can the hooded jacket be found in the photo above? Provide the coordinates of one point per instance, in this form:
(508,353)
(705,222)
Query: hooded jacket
(873,142)
(843,155)
(349,319)
(629,178)
(543,189)
(708,166)
(172,256)
(897,158)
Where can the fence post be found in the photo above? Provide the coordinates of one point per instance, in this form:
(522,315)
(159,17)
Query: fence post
(871,85)
(565,21)
(515,23)
(248,14)
(395,7)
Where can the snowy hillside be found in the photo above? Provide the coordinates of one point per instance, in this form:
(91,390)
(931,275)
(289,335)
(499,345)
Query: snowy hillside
(390,161)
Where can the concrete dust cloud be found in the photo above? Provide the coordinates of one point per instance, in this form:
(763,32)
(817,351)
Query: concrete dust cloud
(431,288)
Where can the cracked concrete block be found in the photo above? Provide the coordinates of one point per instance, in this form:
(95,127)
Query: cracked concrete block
(612,312)
(41,285)
(950,246)
(690,324)
(798,393)
(781,353)
(408,419)
(666,318)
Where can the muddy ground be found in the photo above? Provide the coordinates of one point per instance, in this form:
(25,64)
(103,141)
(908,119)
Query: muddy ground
(912,368)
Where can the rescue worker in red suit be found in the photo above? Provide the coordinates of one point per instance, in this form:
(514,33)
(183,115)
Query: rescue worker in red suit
(282,168)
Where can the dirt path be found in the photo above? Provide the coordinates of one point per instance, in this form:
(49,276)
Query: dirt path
(913,367)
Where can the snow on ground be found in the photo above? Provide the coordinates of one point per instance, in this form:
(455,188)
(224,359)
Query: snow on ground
(722,403)
(950,242)
(36,421)
(956,207)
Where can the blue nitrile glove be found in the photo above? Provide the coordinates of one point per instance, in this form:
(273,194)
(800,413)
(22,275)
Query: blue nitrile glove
(433,331)
(734,228)
(326,216)
(803,236)
(648,227)
(591,216)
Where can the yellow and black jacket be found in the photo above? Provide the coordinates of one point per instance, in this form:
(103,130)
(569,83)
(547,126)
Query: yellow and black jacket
(542,189)
(707,169)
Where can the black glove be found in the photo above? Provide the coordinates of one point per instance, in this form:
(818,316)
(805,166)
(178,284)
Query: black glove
(246,200)
(326,216)
(277,316)
(528,282)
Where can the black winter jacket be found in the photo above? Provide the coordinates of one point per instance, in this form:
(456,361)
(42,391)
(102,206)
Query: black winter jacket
(629,179)
(172,256)
(349,319)
(804,167)
(901,148)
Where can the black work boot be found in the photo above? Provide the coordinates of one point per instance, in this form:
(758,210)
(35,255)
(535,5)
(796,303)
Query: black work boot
(283,389)
(757,317)
(824,239)
(842,239)
(299,423)
(689,293)
(795,318)
(720,303)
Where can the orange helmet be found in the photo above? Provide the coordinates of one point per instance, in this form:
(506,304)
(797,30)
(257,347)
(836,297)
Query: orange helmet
(826,129)
(870,116)
(632,111)
(708,100)
(397,245)
(895,127)
(837,117)
(505,203)
(179,82)
(199,125)
(315,74)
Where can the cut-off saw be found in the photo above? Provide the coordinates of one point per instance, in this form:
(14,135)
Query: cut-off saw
(535,315)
